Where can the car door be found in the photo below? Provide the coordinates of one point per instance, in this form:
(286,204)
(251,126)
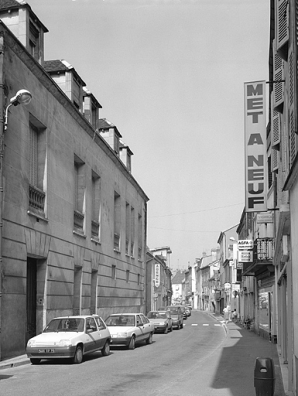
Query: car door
(147,326)
(102,332)
(93,335)
(140,333)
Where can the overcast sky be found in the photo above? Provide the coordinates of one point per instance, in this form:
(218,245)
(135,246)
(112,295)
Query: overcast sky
(170,75)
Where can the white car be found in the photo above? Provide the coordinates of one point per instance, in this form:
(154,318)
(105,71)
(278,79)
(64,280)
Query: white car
(70,337)
(130,328)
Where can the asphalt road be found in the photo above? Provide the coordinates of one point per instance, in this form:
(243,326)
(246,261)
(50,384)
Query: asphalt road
(177,363)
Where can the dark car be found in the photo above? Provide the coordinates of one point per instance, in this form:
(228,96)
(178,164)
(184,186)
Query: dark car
(177,316)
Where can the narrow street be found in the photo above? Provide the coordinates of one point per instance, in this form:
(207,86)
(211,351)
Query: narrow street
(169,366)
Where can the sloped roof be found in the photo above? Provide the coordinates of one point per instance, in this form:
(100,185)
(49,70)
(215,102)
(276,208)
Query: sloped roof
(9,3)
(178,278)
(206,261)
(103,123)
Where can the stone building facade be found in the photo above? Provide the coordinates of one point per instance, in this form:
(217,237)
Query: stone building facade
(73,218)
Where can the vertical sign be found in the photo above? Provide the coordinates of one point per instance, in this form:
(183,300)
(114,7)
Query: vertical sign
(157,275)
(255,146)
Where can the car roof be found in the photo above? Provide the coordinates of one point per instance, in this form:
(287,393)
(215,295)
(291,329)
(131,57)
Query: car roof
(77,316)
(126,313)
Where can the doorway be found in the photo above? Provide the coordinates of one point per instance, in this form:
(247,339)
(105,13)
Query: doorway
(31,296)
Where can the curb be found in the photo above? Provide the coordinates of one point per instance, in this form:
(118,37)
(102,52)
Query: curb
(13,364)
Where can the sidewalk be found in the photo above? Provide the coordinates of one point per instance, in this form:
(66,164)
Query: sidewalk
(237,337)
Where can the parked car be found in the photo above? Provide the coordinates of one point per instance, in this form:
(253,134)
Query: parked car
(128,329)
(187,311)
(183,309)
(162,320)
(70,337)
(177,316)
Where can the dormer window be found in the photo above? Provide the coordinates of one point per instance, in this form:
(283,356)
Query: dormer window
(33,40)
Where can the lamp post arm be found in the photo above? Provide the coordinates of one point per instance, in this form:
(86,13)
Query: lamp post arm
(6,116)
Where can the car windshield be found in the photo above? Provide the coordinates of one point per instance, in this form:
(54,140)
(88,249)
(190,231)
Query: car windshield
(174,311)
(120,320)
(65,324)
(156,315)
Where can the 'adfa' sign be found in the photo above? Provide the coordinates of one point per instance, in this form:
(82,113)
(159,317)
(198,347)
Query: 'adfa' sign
(255,147)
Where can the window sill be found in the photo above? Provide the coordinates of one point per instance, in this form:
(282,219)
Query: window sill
(78,233)
(117,251)
(37,216)
(95,240)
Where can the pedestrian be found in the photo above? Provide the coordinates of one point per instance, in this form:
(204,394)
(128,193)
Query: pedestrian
(234,315)
(226,314)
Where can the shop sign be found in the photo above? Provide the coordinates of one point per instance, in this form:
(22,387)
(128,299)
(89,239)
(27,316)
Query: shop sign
(245,244)
(157,275)
(255,146)
(263,218)
(245,256)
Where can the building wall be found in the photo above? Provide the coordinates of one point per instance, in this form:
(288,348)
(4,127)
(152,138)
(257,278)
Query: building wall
(52,240)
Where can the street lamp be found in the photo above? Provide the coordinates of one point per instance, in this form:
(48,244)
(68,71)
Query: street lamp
(22,97)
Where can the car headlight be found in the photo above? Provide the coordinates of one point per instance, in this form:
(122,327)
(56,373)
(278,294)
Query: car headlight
(122,334)
(30,343)
(64,343)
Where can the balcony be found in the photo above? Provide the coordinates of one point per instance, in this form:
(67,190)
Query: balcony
(78,221)
(36,199)
(263,253)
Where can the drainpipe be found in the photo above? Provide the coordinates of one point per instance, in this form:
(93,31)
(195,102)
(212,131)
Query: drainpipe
(1,174)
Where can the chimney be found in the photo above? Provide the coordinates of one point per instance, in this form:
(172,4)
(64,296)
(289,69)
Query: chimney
(125,155)
(25,25)
(110,134)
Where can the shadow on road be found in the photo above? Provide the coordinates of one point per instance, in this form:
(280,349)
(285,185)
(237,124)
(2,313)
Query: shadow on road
(235,370)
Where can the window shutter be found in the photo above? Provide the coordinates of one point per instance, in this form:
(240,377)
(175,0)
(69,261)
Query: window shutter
(275,127)
(274,160)
(278,87)
(282,27)
(292,107)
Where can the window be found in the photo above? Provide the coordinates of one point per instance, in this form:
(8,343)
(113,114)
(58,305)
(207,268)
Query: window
(77,288)
(93,293)
(79,194)
(132,231)
(113,271)
(139,279)
(96,207)
(37,168)
(127,276)
(127,228)
(34,41)
(117,221)
(140,239)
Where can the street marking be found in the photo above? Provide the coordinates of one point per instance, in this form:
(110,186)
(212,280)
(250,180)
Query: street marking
(217,324)
(194,324)
(205,324)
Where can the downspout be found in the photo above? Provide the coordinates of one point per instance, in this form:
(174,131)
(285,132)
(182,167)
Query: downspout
(1,174)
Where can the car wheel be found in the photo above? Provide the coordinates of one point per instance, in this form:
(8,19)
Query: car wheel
(181,326)
(166,330)
(149,339)
(78,356)
(106,349)
(35,360)
(132,343)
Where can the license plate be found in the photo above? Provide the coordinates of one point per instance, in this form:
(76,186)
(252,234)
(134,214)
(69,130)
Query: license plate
(46,350)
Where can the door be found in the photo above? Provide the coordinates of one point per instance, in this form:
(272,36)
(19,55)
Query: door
(92,335)
(31,296)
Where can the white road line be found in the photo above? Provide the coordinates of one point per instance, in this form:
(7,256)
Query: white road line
(194,324)
(205,324)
